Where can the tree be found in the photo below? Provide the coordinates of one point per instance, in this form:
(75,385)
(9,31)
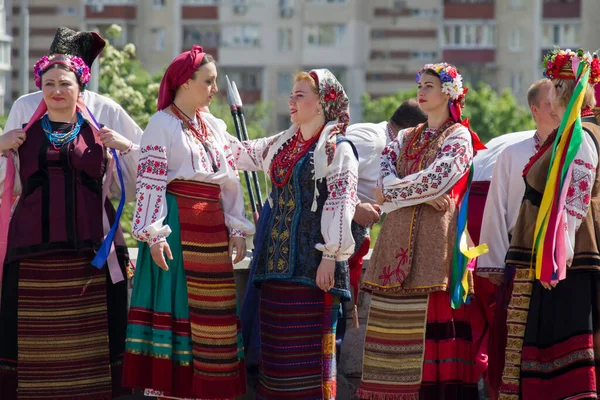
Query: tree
(123,79)
(491,114)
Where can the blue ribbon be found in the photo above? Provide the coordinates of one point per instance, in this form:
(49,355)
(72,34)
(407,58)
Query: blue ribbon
(104,251)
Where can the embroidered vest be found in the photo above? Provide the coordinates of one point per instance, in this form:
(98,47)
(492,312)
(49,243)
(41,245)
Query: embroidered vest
(414,249)
(287,251)
(60,208)
(587,238)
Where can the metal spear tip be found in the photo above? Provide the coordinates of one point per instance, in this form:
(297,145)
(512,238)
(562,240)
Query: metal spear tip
(230,94)
(236,93)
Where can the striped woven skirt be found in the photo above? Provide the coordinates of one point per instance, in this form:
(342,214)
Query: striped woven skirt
(417,347)
(183,337)
(297,334)
(61,330)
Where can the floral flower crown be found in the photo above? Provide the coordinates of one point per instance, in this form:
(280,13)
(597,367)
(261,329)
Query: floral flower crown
(451,80)
(563,64)
(74,63)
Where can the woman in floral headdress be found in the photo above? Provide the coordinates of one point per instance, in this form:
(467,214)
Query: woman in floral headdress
(418,343)
(553,342)
(303,261)
(63,319)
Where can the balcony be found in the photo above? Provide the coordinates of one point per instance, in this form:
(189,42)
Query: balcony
(111,9)
(456,9)
(562,9)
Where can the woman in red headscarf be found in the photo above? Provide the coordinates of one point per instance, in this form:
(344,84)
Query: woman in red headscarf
(63,316)
(182,338)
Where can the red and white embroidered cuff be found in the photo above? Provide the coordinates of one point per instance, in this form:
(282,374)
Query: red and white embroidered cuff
(237,233)
(128,149)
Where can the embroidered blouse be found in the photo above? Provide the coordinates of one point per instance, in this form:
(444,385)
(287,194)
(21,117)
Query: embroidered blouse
(579,194)
(342,178)
(430,182)
(169,152)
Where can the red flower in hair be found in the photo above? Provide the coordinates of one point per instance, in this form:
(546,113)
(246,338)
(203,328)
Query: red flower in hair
(595,70)
(452,72)
(331,95)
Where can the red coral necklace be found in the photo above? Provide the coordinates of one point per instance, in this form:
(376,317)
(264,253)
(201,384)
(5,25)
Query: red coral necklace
(284,162)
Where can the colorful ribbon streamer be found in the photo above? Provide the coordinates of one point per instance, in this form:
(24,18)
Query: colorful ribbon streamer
(105,248)
(549,246)
(459,283)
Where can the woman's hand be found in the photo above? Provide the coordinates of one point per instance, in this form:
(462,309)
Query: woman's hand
(12,139)
(112,139)
(496,279)
(239,244)
(379,197)
(549,286)
(441,203)
(366,214)
(157,251)
(326,274)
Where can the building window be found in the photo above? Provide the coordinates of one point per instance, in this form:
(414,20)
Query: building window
(326,1)
(423,55)
(424,12)
(200,2)
(159,38)
(68,11)
(469,36)
(240,36)
(285,39)
(561,34)
(285,83)
(516,4)
(158,4)
(205,35)
(325,35)
(516,82)
(515,40)
(244,79)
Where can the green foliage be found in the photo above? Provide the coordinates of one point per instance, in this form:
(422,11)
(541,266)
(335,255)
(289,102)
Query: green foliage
(382,108)
(123,79)
(3,119)
(491,113)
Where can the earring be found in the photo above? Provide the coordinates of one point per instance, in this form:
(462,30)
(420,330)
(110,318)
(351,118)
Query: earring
(319,112)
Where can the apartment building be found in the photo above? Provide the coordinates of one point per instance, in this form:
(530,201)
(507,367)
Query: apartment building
(373,46)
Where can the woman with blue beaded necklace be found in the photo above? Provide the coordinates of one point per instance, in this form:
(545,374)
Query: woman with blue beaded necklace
(62,319)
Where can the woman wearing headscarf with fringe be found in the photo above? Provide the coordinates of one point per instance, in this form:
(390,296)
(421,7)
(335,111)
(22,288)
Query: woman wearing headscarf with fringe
(302,264)
(63,315)
(183,338)
(553,314)
(418,342)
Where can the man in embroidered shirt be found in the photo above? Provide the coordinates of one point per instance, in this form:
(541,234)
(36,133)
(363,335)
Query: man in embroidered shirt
(499,216)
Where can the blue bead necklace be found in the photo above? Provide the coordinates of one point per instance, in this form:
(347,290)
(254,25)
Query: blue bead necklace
(58,139)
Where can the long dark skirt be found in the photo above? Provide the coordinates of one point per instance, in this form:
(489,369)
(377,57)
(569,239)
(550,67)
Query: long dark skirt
(561,350)
(62,330)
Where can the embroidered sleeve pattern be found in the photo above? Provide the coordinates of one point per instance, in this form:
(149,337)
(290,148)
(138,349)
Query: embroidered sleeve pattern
(389,158)
(338,211)
(151,208)
(579,193)
(451,163)
(250,155)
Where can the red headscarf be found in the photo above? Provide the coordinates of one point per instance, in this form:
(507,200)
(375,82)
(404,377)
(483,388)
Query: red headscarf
(180,70)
